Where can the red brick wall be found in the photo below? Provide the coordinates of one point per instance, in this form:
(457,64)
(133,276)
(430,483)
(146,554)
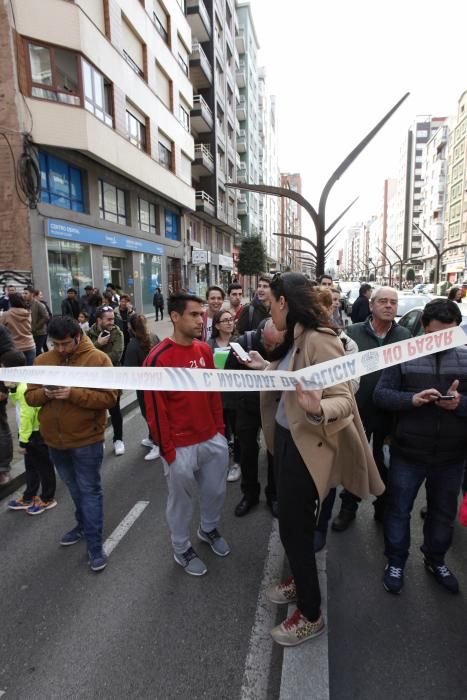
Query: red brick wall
(15,248)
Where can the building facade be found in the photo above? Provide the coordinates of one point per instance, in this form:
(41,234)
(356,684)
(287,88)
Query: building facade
(107,108)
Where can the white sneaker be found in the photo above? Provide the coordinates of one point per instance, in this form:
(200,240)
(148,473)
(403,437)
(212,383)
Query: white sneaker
(153,454)
(147,442)
(119,448)
(234,472)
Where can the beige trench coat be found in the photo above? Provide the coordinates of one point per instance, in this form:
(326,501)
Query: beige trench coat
(335,451)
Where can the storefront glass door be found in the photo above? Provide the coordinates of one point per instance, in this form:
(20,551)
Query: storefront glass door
(69,266)
(113,271)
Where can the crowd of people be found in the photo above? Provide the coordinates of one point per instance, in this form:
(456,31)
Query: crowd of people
(316,440)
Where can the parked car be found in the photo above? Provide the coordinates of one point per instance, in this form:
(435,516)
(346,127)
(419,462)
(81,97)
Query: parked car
(412,320)
(410,301)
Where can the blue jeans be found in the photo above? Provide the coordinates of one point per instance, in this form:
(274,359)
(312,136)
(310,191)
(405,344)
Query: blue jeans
(79,468)
(442,486)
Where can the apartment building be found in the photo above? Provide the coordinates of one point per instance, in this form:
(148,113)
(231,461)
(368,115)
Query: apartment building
(433,214)
(269,172)
(290,223)
(102,88)
(454,264)
(213,70)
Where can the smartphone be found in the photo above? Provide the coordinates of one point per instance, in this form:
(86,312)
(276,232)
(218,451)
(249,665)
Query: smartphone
(243,355)
(448,397)
(104,334)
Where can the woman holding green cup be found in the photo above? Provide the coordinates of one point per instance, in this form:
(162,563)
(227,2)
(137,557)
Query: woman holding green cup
(223,326)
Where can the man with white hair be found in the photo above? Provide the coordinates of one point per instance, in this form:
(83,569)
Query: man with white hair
(378,329)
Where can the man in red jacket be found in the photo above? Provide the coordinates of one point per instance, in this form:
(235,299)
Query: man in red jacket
(189,428)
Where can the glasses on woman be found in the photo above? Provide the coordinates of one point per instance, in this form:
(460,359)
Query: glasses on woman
(227,320)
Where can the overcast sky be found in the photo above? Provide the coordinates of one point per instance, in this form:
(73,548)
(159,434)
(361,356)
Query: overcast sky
(337,66)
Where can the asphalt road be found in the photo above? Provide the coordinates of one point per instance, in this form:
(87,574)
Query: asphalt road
(144,629)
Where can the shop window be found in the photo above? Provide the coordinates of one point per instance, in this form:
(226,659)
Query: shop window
(136,127)
(97,92)
(147,216)
(61,183)
(172,228)
(54,74)
(151,278)
(112,205)
(69,266)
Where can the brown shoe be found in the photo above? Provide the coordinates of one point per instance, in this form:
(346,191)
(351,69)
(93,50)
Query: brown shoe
(342,520)
(5,478)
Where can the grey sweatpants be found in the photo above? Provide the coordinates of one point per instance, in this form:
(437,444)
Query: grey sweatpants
(202,466)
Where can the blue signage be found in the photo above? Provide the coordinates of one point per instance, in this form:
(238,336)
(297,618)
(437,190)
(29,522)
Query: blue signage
(83,234)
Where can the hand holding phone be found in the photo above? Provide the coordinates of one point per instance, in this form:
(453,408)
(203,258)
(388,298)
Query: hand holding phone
(240,352)
(448,397)
(104,334)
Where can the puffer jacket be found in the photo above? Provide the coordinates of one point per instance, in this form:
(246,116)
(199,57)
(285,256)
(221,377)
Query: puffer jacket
(82,418)
(427,434)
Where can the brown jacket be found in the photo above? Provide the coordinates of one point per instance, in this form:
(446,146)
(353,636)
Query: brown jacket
(39,317)
(335,451)
(18,322)
(81,419)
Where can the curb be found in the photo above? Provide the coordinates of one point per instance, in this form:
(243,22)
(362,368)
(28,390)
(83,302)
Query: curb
(18,475)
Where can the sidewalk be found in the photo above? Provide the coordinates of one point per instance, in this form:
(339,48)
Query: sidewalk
(128,401)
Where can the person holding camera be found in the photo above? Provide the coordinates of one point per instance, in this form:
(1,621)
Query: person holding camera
(108,337)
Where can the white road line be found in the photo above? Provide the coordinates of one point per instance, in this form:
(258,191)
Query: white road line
(258,660)
(121,529)
(305,669)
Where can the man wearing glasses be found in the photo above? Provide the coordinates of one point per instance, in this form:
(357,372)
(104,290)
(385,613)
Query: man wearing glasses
(108,337)
(378,329)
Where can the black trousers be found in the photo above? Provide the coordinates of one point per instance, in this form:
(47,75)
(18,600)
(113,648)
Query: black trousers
(40,471)
(379,428)
(248,424)
(41,343)
(230,420)
(298,506)
(159,309)
(6,441)
(142,407)
(117,420)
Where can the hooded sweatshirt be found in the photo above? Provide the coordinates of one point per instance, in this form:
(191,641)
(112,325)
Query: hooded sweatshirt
(18,322)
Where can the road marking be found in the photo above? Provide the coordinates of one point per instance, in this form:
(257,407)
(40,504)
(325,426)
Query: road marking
(121,529)
(305,669)
(258,660)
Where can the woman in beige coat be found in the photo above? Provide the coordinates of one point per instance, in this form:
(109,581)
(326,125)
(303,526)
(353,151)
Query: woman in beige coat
(318,442)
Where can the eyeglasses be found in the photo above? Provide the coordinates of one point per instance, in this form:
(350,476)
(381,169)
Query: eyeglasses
(227,320)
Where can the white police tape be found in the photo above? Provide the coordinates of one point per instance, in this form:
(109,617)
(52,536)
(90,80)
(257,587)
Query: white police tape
(317,376)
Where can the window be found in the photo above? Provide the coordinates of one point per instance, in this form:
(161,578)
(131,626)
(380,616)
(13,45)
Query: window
(161,21)
(112,206)
(54,74)
(97,93)
(163,87)
(185,168)
(184,111)
(165,151)
(61,183)
(172,229)
(136,127)
(133,49)
(147,216)
(183,55)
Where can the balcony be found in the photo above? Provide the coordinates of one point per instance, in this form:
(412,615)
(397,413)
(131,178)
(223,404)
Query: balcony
(203,163)
(205,205)
(241,173)
(240,76)
(241,108)
(241,141)
(198,18)
(240,42)
(200,68)
(242,206)
(202,120)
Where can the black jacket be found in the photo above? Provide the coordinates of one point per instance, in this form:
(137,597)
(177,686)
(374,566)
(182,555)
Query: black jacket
(360,309)
(427,434)
(70,307)
(158,300)
(249,319)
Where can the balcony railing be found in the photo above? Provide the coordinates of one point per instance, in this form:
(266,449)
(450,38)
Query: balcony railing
(204,202)
(202,152)
(132,64)
(193,9)
(197,54)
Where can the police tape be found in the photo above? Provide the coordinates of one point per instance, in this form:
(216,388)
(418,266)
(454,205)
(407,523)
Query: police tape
(319,376)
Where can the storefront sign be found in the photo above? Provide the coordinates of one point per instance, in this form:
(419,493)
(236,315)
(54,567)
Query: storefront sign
(84,234)
(199,257)
(226,261)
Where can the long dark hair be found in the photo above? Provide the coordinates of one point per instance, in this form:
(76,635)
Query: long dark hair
(305,307)
(140,331)
(216,319)
(17,301)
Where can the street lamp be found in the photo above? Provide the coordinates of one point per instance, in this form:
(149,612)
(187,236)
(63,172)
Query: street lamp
(370,260)
(400,261)
(389,263)
(319,217)
(439,254)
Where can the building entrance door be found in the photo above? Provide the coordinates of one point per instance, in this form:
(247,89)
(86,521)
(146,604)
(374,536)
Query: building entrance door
(113,271)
